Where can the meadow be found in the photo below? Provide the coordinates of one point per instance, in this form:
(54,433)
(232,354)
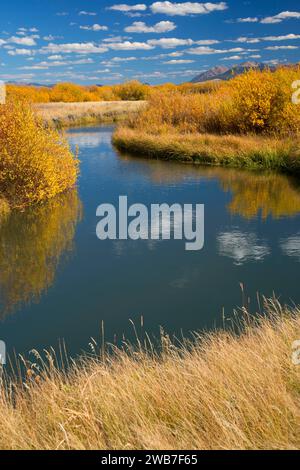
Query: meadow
(249,121)
(221,390)
(83,113)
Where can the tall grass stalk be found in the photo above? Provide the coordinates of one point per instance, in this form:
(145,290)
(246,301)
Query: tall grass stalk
(220,391)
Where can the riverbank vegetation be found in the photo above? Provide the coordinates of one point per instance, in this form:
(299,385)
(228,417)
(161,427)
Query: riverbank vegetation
(36,162)
(249,121)
(73,93)
(220,391)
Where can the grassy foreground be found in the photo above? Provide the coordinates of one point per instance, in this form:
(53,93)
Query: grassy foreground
(222,392)
(251,152)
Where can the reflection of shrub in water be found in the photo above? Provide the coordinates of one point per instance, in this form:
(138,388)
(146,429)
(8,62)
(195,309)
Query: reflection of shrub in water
(269,195)
(31,246)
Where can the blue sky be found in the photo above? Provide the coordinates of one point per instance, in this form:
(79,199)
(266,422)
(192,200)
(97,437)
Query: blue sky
(107,42)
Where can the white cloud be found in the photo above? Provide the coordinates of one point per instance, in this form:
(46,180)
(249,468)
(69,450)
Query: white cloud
(34,67)
(178,61)
(207,42)
(186,8)
(287,37)
(87,13)
(95,27)
(285,15)
(50,37)
(246,40)
(279,48)
(123,59)
(141,27)
(168,43)
(233,57)
(247,20)
(73,48)
(128,46)
(125,8)
(116,39)
(202,50)
(55,57)
(15,52)
(24,41)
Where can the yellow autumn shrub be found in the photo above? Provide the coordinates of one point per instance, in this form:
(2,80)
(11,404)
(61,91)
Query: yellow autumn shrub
(261,102)
(132,91)
(73,93)
(256,102)
(27,93)
(36,162)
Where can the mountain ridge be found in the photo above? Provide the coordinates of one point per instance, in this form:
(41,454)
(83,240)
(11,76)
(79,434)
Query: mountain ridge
(225,73)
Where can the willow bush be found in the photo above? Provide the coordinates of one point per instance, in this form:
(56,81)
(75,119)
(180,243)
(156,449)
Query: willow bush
(36,163)
(257,102)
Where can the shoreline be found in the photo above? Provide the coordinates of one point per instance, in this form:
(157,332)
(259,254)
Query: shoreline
(244,151)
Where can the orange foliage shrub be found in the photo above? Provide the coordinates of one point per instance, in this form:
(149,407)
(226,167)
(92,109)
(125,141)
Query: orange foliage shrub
(36,163)
(72,93)
(255,102)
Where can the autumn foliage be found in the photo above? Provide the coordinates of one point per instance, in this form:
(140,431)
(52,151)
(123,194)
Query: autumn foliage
(257,102)
(72,93)
(36,162)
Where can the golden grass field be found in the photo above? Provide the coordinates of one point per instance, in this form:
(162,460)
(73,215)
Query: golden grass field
(223,391)
(67,114)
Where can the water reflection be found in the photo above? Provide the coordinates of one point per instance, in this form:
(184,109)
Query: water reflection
(242,247)
(291,246)
(253,194)
(268,195)
(31,246)
(89,140)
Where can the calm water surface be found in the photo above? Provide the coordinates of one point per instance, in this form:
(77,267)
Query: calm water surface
(57,280)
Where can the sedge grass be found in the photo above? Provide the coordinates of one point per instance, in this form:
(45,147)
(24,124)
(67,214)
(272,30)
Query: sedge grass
(221,391)
(251,151)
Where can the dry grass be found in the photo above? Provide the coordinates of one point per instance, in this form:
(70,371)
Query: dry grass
(68,114)
(252,152)
(222,392)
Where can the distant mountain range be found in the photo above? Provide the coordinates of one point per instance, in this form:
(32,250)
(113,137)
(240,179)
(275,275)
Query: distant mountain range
(37,85)
(225,73)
